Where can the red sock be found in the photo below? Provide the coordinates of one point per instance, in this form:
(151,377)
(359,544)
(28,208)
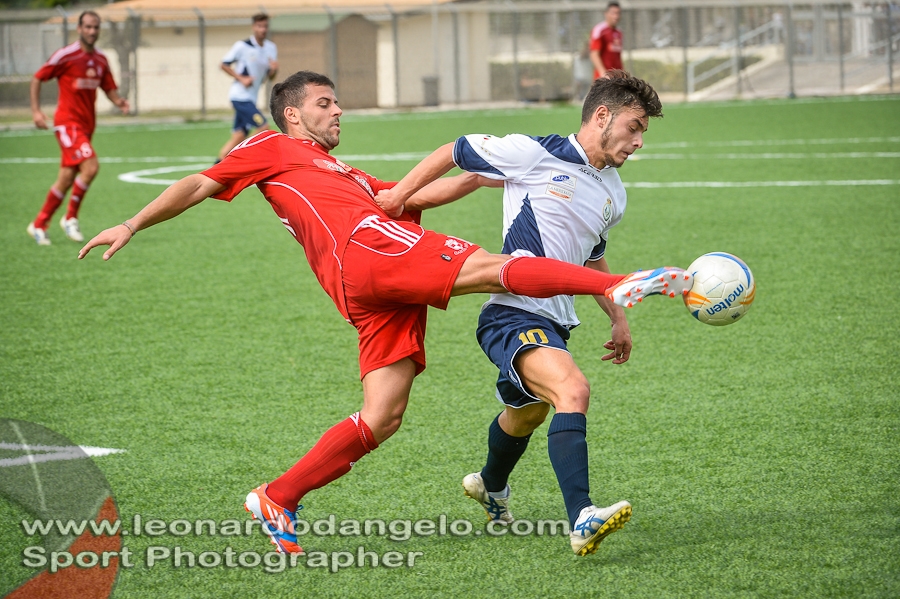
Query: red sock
(329,459)
(54,199)
(545,277)
(78,191)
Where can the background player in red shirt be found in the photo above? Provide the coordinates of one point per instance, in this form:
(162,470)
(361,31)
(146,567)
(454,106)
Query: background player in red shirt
(382,273)
(606,42)
(79,69)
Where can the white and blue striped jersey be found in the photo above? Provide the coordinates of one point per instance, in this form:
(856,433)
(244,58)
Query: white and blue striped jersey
(247,57)
(555,205)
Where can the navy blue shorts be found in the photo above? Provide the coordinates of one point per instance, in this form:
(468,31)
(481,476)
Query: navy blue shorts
(502,333)
(247,116)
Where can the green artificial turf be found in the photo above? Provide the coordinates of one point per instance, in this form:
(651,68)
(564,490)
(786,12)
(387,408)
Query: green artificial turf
(761,458)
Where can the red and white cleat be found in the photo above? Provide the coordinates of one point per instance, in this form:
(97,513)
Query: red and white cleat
(665,280)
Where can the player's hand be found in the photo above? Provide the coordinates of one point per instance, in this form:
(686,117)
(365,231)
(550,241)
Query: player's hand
(40,121)
(124,106)
(389,202)
(619,345)
(245,80)
(273,67)
(115,237)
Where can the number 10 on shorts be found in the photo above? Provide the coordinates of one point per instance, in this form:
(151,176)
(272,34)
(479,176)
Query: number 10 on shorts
(534,336)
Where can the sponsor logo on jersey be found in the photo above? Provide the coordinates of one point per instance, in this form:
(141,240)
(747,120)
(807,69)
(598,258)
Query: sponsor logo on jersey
(82,83)
(590,173)
(563,193)
(328,165)
(365,184)
(561,185)
(91,72)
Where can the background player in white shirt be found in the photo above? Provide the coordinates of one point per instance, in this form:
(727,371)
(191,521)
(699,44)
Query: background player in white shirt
(250,62)
(561,196)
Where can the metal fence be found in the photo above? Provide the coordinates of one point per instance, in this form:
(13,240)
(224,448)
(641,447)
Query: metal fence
(432,53)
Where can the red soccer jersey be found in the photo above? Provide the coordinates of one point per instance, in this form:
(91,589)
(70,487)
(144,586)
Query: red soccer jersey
(608,41)
(320,200)
(79,73)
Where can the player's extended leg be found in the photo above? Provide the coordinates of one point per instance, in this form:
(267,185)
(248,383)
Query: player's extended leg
(484,272)
(553,376)
(385,396)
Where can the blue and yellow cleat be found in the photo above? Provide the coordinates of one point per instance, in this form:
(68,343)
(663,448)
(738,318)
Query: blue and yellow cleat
(594,524)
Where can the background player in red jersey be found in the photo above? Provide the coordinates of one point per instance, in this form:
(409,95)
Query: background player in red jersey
(606,42)
(80,69)
(382,273)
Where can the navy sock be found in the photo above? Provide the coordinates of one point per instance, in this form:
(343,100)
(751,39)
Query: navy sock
(504,452)
(567,446)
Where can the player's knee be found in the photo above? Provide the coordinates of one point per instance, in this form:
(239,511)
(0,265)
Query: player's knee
(386,426)
(88,171)
(575,397)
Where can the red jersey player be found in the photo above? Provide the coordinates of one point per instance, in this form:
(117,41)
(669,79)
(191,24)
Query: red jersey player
(382,273)
(606,42)
(80,69)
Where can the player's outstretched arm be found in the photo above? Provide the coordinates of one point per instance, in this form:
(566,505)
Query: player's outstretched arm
(177,198)
(448,189)
(430,169)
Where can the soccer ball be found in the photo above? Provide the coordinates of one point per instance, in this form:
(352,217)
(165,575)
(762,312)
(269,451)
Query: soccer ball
(723,289)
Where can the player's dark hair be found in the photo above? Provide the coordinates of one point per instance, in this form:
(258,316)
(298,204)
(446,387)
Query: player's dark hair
(618,90)
(613,4)
(292,92)
(260,16)
(87,13)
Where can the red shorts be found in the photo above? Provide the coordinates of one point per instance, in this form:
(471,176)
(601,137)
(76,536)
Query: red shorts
(392,272)
(75,144)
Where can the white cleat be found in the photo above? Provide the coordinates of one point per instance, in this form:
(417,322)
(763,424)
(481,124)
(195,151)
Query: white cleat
(39,235)
(594,523)
(497,510)
(666,280)
(70,226)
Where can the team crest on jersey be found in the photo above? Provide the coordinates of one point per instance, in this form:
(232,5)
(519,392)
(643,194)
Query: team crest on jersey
(561,185)
(457,245)
(331,166)
(91,72)
(607,210)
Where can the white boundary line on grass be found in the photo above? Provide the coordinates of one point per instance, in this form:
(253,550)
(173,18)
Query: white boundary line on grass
(144,176)
(416,156)
(740,184)
(52,453)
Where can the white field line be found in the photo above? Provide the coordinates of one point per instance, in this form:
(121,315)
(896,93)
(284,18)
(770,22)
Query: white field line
(52,453)
(740,184)
(207,160)
(766,156)
(145,176)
